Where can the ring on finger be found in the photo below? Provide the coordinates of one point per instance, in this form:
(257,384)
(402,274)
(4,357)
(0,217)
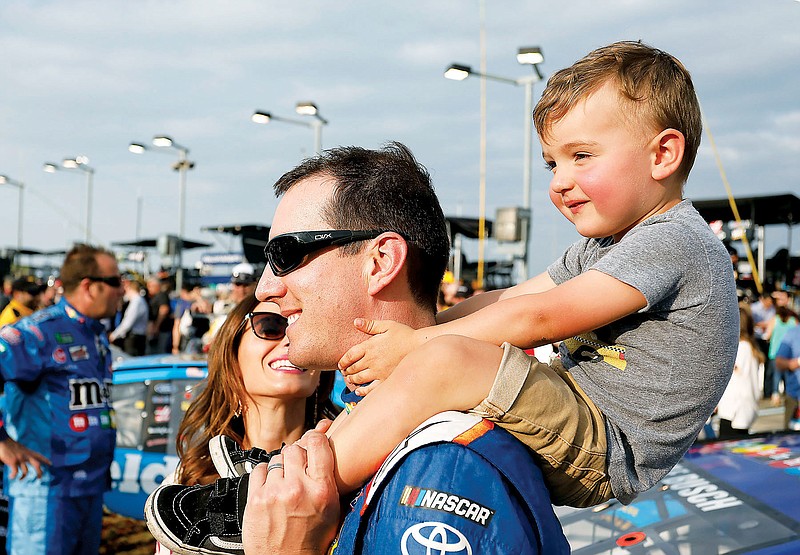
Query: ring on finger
(273,466)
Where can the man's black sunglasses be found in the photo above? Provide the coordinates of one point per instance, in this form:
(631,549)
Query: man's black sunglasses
(289,251)
(111,281)
(267,325)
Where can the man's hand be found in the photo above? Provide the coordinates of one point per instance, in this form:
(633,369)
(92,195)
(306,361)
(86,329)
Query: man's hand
(376,358)
(17,457)
(293,509)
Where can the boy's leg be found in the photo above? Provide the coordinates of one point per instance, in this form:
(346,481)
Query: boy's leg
(446,373)
(546,409)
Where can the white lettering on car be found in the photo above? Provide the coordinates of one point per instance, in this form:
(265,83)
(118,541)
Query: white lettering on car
(132,478)
(699,491)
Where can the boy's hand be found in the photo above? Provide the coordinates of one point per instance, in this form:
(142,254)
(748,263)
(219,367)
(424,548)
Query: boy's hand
(377,357)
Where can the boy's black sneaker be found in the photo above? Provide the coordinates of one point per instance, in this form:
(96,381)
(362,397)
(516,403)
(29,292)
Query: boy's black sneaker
(231,460)
(191,520)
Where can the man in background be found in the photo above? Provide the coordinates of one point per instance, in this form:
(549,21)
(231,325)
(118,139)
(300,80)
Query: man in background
(159,331)
(57,438)
(25,292)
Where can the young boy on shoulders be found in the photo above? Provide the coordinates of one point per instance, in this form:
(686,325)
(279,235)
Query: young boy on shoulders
(644,304)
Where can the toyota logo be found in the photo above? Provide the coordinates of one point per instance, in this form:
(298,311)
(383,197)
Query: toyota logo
(436,538)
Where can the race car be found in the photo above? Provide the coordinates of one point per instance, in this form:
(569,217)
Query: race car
(723,497)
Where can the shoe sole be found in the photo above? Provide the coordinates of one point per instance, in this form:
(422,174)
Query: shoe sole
(163,536)
(156,526)
(220,458)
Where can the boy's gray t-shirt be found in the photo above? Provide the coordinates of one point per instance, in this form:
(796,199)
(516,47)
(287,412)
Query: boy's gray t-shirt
(656,375)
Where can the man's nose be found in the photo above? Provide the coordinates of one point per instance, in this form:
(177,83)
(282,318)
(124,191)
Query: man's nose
(269,286)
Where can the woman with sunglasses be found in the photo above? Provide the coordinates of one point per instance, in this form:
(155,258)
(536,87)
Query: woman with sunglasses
(253,394)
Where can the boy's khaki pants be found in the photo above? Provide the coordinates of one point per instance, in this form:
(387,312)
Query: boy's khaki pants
(543,407)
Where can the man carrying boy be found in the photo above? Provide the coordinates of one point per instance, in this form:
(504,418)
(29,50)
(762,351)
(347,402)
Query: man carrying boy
(361,232)
(644,305)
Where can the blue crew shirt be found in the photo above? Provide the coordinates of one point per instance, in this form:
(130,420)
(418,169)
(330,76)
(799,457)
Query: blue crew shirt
(56,366)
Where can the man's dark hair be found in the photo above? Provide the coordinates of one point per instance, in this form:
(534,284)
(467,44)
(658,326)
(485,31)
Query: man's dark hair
(384,189)
(79,263)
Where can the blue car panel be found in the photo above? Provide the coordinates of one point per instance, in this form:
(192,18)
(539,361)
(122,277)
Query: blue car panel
(723,497)
(150,396)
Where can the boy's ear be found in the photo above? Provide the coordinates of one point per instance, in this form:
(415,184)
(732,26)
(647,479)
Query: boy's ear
(668,149)
(387,258)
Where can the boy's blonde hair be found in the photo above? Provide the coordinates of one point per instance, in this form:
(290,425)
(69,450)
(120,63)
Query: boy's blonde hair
(653,85)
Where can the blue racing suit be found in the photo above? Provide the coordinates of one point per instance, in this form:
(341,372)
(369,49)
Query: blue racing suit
(56,366)
(456,485)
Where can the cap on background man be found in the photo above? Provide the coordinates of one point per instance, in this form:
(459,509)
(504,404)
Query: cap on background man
(25,293)
(243,281)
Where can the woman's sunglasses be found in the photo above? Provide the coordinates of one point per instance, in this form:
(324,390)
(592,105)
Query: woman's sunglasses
(267,325)
(289,251)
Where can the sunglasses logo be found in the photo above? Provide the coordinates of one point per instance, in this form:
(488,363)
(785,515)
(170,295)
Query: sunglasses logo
(322,236)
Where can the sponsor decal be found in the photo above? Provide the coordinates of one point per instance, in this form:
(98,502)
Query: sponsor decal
(73,314)
(78,353)
(105,420)
(79,475)
(698,491)
(158,430)
(164,388)
(37,332)
(446,502)
(161,414)
(161,399)
(11,335)
(79,422)
(40,316)
(2,348)
(434,537)
(62,338)
(89,393)
(59,355)
(155,442)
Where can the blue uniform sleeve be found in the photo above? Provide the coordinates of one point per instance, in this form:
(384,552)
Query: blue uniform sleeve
(21,351)
(444,499)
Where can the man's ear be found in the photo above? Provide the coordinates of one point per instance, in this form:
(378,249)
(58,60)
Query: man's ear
(668,148)
(387,258)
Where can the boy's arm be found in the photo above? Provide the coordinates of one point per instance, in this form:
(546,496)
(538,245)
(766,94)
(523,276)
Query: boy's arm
(536,284)
(531,316)
(468,306)
(584,303)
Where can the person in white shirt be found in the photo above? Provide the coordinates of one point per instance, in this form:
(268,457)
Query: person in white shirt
(738,407)
(131,333)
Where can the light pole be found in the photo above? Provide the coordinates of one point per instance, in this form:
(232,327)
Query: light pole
(181,166)
(304,109)
(5,180)
(527,56)
(81,164)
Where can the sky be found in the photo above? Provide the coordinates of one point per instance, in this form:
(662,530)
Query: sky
(88,77)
